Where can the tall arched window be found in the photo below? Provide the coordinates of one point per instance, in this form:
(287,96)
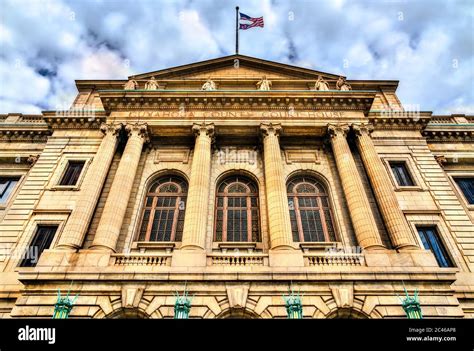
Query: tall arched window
(310,212)
(163,216)
(237,215)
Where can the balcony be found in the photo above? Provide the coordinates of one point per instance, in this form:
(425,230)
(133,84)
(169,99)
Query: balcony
(141,260)
(334,259)
(238,259)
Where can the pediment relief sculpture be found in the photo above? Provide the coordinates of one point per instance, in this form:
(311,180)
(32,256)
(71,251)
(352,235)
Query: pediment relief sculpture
(264,84)
(321,84)
(131,85)
(342,85)
(209,85)
(152,84)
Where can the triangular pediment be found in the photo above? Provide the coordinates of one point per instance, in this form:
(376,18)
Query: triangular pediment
(235,67)
(234,73)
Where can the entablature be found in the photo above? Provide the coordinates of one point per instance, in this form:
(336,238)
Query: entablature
(236,100)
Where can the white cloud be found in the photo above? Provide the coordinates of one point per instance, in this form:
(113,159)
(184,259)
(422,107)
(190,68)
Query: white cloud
(98,64)
(428,48)
(10,105)
(22,83)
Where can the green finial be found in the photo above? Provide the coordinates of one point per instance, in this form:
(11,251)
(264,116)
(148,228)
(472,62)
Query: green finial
(293,304)
(63,305)
(411,305)
(182,305)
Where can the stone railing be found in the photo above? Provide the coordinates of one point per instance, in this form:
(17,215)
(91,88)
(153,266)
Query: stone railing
(442,120)
(141,260)
(31,119)
(238,260)
(338,259)
(453,119)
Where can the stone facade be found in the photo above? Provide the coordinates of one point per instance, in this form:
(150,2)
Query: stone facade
(128,139)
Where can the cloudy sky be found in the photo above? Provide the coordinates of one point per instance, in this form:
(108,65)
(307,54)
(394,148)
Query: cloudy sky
(426,44)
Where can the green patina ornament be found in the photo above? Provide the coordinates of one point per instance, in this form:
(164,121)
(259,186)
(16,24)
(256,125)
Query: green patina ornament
(294,306)
(182,306)
(411,305)
(63,306)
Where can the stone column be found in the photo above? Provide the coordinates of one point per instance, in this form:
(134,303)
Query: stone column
(394,219)
(78,223)
(108,231)
(279,224)
(359,208)
(197,204)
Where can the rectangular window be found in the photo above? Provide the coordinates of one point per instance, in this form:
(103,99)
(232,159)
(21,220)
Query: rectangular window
(467,187)
(431,241)
(72,173)
(7,184)
(42,240)
(401,173)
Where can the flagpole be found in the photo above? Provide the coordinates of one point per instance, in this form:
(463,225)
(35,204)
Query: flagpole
(237,30)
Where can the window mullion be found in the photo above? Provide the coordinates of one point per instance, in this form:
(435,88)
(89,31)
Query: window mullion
(298,218)
(175,219)
(322,217)
(224,220)
(150,220)
(249,218)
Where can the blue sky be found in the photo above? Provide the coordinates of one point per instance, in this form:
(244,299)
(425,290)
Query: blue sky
(426,44)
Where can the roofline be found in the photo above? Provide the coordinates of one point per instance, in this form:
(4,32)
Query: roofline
(94,84)
(91,83)
(234,56)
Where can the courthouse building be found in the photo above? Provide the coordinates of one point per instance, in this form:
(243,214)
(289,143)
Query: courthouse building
(236,179)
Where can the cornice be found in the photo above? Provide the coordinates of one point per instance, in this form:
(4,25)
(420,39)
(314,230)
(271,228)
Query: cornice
(349,273)
(37,128)
(407,123)
(435,128)
(23,128)
(74,119)
(278,100)
(25,135)
(455,128)
(456,134)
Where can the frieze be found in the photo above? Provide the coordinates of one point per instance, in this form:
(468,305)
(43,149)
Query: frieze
(242,114)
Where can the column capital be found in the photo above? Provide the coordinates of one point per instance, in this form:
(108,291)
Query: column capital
(203,129)
(363,129)
(267,129)
(140,129)
(338,129)
(111,128)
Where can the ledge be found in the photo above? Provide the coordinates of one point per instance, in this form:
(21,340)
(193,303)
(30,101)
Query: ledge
(318,246)
(142,270)
(154,245)
(249,246)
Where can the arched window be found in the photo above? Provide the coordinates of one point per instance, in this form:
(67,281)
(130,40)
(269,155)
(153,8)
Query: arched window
(310,212)
(237,215)
(163,216)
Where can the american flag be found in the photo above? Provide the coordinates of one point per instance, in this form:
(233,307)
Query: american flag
(255,22)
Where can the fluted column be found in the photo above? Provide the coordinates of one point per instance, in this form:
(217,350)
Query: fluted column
(197,204)
(277,200)
(394,219)
(108,231)
(359,208)
(78,223)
